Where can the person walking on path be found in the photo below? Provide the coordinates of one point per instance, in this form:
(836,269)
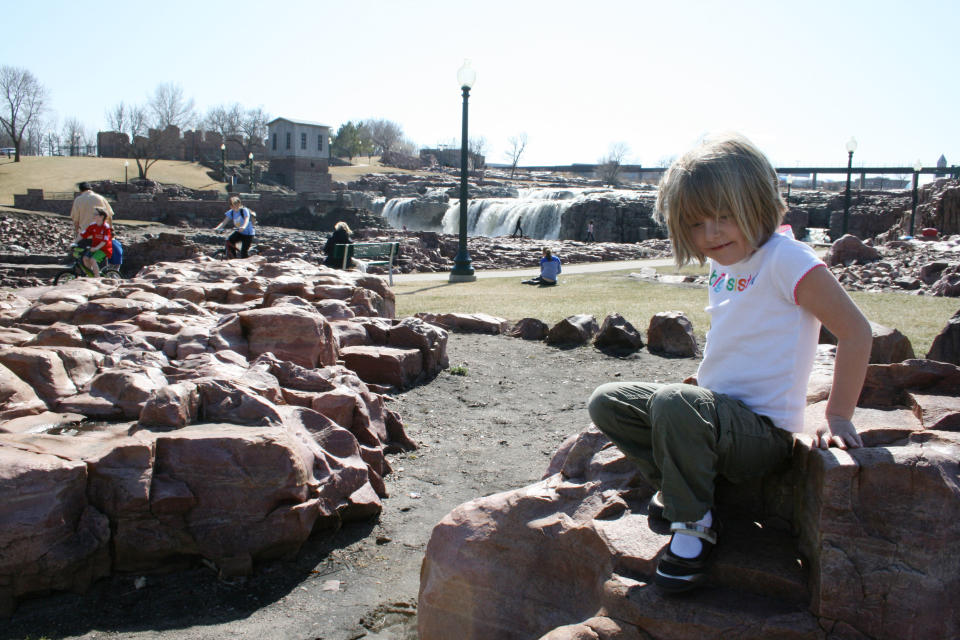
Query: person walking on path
(518,230)
(768,295)
(242,219)
(83,213)
(549,270)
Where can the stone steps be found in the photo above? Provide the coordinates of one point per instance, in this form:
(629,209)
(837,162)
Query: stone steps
(7,259)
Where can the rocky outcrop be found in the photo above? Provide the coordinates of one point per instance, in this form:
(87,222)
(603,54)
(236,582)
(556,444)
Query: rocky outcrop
(840,544)
(202,410)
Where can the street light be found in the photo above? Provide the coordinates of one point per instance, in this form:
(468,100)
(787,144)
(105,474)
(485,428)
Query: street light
(126,165)
(917,168)
(250,158)
(223,161)
(789,184)
(462,268)
(851,147)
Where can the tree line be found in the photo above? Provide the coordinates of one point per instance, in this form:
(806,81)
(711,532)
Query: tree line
(30,129)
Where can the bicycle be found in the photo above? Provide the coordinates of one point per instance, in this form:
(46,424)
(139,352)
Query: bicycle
(79,270)
(221,254)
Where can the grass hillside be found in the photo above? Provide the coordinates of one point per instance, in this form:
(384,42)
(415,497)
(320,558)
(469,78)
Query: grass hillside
(63,173)
(54,173)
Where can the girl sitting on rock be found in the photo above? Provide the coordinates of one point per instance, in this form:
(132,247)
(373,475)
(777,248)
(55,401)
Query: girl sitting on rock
(768,294)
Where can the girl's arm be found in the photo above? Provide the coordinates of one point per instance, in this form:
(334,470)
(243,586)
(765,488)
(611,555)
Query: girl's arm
(246,218)
(820,294)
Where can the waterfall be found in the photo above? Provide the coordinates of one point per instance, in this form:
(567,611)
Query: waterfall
(394,211)
(540,212)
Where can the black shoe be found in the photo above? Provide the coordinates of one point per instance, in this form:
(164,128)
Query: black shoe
(655,507)
(677,575)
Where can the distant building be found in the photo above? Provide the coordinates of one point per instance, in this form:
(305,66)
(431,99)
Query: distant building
(299,154)
(942,164)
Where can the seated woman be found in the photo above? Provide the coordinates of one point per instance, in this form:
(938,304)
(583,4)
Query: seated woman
(340,235)
(549,270)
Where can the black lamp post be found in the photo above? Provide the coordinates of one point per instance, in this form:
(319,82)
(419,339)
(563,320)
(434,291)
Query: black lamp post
(789,184)
(223,161)
(250,158)
(462,268)
(917,167)
(126,166)
(851,147)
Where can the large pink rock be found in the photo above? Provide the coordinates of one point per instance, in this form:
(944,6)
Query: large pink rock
(553,556)
(42,369)
(384,365)
(172,406)
(430,341)
(291,333)
(107,310)
(128,388)
(17,398)
(467,322)
(50,535)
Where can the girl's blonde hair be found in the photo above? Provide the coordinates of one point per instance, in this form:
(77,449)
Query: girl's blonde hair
(235,200)
(727,175)
(342,225)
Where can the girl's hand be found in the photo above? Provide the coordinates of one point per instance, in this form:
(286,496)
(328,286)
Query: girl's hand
(691,380)
(839,432)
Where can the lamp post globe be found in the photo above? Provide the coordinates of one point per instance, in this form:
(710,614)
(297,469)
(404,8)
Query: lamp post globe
(789,184)
(917,168)
(462,268)
(851,147)
(223,161)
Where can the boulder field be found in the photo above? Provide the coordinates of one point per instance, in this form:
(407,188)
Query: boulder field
(214,410)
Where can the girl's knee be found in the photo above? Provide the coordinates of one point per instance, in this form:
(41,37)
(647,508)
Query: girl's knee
(600,402)
(678,406)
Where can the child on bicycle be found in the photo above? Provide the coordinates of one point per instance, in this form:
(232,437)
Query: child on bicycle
(768,294)
(100,236)
(242,219)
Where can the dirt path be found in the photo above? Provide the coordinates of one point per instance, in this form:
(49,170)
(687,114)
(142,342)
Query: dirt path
(491,430)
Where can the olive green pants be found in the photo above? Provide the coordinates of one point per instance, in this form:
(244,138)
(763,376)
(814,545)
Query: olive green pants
(683,436)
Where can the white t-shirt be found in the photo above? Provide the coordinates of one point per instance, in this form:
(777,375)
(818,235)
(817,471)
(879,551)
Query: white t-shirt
(761,343)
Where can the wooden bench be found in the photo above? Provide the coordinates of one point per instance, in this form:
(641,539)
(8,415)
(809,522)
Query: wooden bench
(369,254)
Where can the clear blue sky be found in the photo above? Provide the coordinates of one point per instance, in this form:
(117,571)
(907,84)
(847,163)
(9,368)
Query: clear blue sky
(798,78)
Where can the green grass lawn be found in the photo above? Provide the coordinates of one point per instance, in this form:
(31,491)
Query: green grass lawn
(920,318)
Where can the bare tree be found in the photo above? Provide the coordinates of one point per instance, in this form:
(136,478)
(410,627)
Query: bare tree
(478,151)
(145,148)
(384,135)
(253,125)
(167,107)
(75,134)
(225,120)
(118,117)
(608,169)
(24,99)
(518,144)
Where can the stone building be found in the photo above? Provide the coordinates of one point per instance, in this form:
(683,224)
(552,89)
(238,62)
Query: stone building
(299,154)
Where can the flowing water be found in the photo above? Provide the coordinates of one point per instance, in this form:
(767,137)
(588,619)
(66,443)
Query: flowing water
(540,212)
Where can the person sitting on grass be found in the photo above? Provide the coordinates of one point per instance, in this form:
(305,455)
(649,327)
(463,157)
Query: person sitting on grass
(100,236)
(549,270)
(768,294)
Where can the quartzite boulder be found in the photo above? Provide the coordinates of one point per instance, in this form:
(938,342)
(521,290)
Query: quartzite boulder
(225,458)
(573,330)
(670,333)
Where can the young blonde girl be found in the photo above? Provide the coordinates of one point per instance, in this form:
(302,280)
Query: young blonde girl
(768,295)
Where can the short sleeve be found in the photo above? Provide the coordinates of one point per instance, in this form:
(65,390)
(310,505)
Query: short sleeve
(791,261)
